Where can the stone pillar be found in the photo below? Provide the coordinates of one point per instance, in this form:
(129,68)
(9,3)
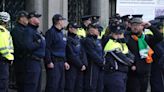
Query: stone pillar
(112,7)
(101,8)
(45,15)
(47,8)
(57,7)
(96,7)
(36,5)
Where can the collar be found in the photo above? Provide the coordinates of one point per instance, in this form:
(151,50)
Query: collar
(93,36)
(56,29)
(33,27)
(72,34)
(84,27)
(21,25)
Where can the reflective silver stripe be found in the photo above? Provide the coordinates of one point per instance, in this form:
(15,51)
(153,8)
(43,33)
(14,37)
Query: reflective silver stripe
(4,54)
(119,59)
(10,48)
(116,65)
(10,43)
(3,48)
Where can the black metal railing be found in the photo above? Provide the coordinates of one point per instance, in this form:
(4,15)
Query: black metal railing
(78,8)
(12,7)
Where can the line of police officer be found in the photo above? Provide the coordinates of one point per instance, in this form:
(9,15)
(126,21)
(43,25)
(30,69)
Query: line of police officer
(82,61)
(29,46)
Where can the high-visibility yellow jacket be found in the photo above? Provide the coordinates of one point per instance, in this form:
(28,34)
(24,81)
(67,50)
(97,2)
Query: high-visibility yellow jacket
(6,44)
(102,33)
(117,54)
(114,45)
(148,32)
(81,33)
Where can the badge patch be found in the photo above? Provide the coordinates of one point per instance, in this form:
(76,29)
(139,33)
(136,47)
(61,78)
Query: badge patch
(64,39)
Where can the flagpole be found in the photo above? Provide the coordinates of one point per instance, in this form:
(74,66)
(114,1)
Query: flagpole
(163,29)
(3,5)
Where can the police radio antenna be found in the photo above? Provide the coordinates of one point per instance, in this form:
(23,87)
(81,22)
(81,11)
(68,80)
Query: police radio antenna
(3,5)
(163,29)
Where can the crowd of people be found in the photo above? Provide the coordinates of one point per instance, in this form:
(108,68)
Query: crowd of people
(123,57)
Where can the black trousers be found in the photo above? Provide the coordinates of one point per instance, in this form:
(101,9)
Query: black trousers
(137,83)
(115,82)
(93,79)
(73,80)
(157,78)
(55,78)
(4,76)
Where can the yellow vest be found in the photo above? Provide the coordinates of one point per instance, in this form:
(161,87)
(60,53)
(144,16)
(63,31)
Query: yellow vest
(81,32)
(148,32)
(114,45)
(6,44)
(102,33)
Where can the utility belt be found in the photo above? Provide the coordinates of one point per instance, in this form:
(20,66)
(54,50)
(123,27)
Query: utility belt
(112,64)
(19,56)
(110,68)
(4,60)
(57,59)
(33,57)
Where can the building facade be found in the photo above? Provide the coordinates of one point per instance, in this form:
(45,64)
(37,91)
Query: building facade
(71,9)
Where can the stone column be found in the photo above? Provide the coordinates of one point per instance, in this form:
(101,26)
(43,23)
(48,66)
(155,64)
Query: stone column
(96,7)
(112,7)
(101,8)
(36,5)
(47,8)
(57,7)
(45,15)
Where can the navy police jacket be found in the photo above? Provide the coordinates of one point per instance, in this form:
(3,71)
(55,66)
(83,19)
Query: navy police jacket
(158,55)
(17,36)
(75,52)
(55,44)
(93,50)
(34,42)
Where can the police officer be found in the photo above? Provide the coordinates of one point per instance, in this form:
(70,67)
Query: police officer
(55,55)
(126,22)
(19,51)
(141,46)
(96,20)
(95,58)
(34,44)
(86,20)
(76,57)
(157,67)
(114,19)
(6,51)
(118,59)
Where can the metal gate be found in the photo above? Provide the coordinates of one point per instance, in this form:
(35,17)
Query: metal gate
(12,7)
(78,8)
